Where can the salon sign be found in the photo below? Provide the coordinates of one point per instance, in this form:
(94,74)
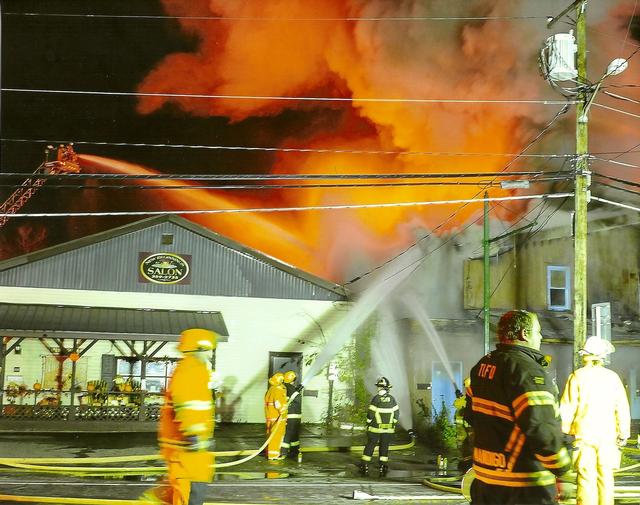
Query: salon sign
(164,268)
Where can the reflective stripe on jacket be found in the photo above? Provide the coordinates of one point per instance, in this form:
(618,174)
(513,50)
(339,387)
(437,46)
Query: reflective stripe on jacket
(383,414)
(512,405)
(188,410)
(594,406)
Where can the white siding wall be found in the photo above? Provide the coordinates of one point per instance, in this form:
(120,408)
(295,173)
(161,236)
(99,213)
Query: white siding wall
(256,327)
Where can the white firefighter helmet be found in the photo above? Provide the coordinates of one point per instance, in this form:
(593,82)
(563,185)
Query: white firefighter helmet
(596,346)
(383,383)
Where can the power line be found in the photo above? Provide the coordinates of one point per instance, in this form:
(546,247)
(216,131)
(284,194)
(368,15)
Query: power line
(616,179)
(620,97)
(596,104)
(558,114)
(276,177)
(286,149)
(285,98)
(636,193)
(275,19)
(284,209)
(309,150)
(271,186)
(423,258)
(631,18)
(529,236)
(617,204)
(608,34)
(613,161)
(542,204)
(621,154)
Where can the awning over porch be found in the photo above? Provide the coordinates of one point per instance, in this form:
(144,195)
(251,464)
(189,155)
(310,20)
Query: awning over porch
(104,323)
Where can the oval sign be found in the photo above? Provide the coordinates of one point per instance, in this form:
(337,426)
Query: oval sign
(164,268)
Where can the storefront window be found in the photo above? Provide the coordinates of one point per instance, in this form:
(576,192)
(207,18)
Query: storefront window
(158,372)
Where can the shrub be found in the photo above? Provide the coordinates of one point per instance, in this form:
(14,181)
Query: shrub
(436,428)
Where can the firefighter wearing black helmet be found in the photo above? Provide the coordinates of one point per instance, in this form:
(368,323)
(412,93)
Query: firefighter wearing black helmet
(382,417)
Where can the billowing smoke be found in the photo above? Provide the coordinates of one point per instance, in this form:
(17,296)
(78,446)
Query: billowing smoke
(257,50)
(347,49)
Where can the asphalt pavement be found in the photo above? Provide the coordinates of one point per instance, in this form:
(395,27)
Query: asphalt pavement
(321,477)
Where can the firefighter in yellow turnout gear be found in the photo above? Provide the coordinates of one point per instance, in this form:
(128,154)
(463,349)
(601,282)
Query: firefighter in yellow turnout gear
(595,410)
(187,420)
(275,408)
(382,417)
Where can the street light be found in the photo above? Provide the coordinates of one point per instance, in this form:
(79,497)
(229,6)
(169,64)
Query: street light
(557,60)
(616,67)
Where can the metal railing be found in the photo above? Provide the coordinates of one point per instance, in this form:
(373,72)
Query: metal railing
(86,405)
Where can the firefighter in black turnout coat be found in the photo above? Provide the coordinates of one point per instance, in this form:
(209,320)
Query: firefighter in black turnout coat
(382,417)
(512,406)
(290,447)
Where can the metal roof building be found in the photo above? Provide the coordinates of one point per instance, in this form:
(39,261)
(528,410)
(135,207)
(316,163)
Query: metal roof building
(138,286)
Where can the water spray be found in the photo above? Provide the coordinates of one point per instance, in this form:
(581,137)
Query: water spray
(387,282)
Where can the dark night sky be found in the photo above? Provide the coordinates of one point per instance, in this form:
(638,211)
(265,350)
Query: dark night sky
(107,54)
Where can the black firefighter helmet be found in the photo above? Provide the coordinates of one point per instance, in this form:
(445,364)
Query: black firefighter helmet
(383,383)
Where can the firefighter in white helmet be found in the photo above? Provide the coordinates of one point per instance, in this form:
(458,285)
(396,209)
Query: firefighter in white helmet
(595,410)
(382,417)
(187,422)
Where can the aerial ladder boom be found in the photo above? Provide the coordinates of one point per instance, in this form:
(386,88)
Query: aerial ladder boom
(66,162)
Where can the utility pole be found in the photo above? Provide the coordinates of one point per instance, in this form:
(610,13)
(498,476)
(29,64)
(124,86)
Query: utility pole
(585,93)
(582,193)
(486,291)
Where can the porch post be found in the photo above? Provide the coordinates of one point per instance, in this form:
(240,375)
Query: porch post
(3,356)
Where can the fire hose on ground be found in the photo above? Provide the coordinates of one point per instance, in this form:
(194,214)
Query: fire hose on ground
(622,492)
(42,464)
(89,471)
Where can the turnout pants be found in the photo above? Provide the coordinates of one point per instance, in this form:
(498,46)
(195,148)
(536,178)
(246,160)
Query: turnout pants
(187,476)
(488,494)
(291,444)
(273,448)
(595,465)
(377,439)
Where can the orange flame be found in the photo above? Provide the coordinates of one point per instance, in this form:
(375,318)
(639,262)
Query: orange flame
(271,55)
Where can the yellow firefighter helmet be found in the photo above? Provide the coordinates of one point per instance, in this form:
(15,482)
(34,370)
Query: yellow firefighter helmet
(197,339)
(289,376)
(276,378)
